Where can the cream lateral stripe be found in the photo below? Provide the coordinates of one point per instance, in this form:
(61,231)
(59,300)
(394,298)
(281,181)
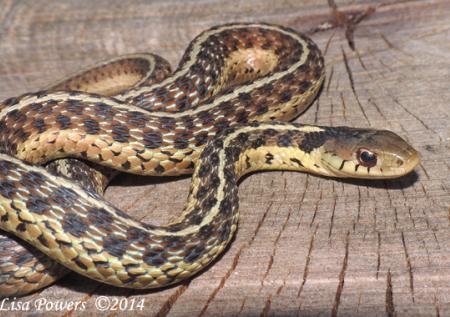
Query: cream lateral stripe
(160,232)
(64,182)
(215,210)
(128,107)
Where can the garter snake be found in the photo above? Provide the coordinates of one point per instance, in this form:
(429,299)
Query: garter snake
(216,116)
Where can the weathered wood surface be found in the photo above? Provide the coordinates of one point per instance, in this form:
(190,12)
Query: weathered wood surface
(305,245)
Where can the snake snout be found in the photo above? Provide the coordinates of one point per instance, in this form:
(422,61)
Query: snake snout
(398,156)
(362,153)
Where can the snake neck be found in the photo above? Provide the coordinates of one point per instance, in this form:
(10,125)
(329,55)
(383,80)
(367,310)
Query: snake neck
(242,150)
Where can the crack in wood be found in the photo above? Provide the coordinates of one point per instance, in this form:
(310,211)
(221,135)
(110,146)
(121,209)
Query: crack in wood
(361,62)
(329,79)
(416,117)
(274,249)
(327,46)
(389,297)
(168,304)
(260,223)
(316,112)
(222,281)
(269,267)
(408,264)
(302,199)
(436,305)
(316,209)
(242,306)
(378,254)
(330,231)
(337,299)
(352,84)
(307,261)
(281,287)
(373,103)
(392,46)
(424,171)
(266,308)
(344,110)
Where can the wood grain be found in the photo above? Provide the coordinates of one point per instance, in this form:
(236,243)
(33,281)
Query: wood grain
(305,245)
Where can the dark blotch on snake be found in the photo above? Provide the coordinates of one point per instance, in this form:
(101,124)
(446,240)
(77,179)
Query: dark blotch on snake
(136,118)
(313,140)
(120,133)
(75,106)
(136,235)
(159,169)
(63,121)
(201,138)
(194,253)
(104,111)
(80,264)
(101,218)
(152,140)
(64,197)
(153,257)
(6,166)
(258,143)
(21,134)
(167,123)
(37,205)
(115,245)
(284,140)
(7,189)
(91,126)
(40,125)
(73,224)
(32,179)
(202,191)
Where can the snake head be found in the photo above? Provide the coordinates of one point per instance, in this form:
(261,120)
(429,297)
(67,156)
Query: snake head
(363,153)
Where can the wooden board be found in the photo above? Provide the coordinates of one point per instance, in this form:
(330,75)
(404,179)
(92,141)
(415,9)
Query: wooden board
(305,245)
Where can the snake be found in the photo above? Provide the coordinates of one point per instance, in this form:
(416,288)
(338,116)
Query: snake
(220,115)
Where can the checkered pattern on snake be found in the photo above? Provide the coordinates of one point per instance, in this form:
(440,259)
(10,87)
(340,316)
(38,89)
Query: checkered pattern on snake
(215,116)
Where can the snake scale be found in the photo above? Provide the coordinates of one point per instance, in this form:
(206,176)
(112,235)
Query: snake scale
(218,116)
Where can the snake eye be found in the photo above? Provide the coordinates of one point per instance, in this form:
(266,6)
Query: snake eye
(366,158)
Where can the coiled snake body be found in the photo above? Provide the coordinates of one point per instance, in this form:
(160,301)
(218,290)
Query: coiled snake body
(214,116)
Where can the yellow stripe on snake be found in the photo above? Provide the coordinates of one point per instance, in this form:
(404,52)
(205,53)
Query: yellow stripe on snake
(215,116)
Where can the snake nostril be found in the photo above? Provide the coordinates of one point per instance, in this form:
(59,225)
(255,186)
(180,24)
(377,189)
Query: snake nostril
(399,162)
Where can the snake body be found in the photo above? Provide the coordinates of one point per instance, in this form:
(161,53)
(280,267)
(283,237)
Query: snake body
(23,268)
(214,116)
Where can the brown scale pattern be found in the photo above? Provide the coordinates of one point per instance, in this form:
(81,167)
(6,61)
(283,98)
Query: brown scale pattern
(77,216)
(182,136)
(204,76)
(154,131)
(115,76)
(24,269)
(42,124)
(160,259)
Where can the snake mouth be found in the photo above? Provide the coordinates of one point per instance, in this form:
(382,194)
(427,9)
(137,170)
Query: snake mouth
(354,170)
